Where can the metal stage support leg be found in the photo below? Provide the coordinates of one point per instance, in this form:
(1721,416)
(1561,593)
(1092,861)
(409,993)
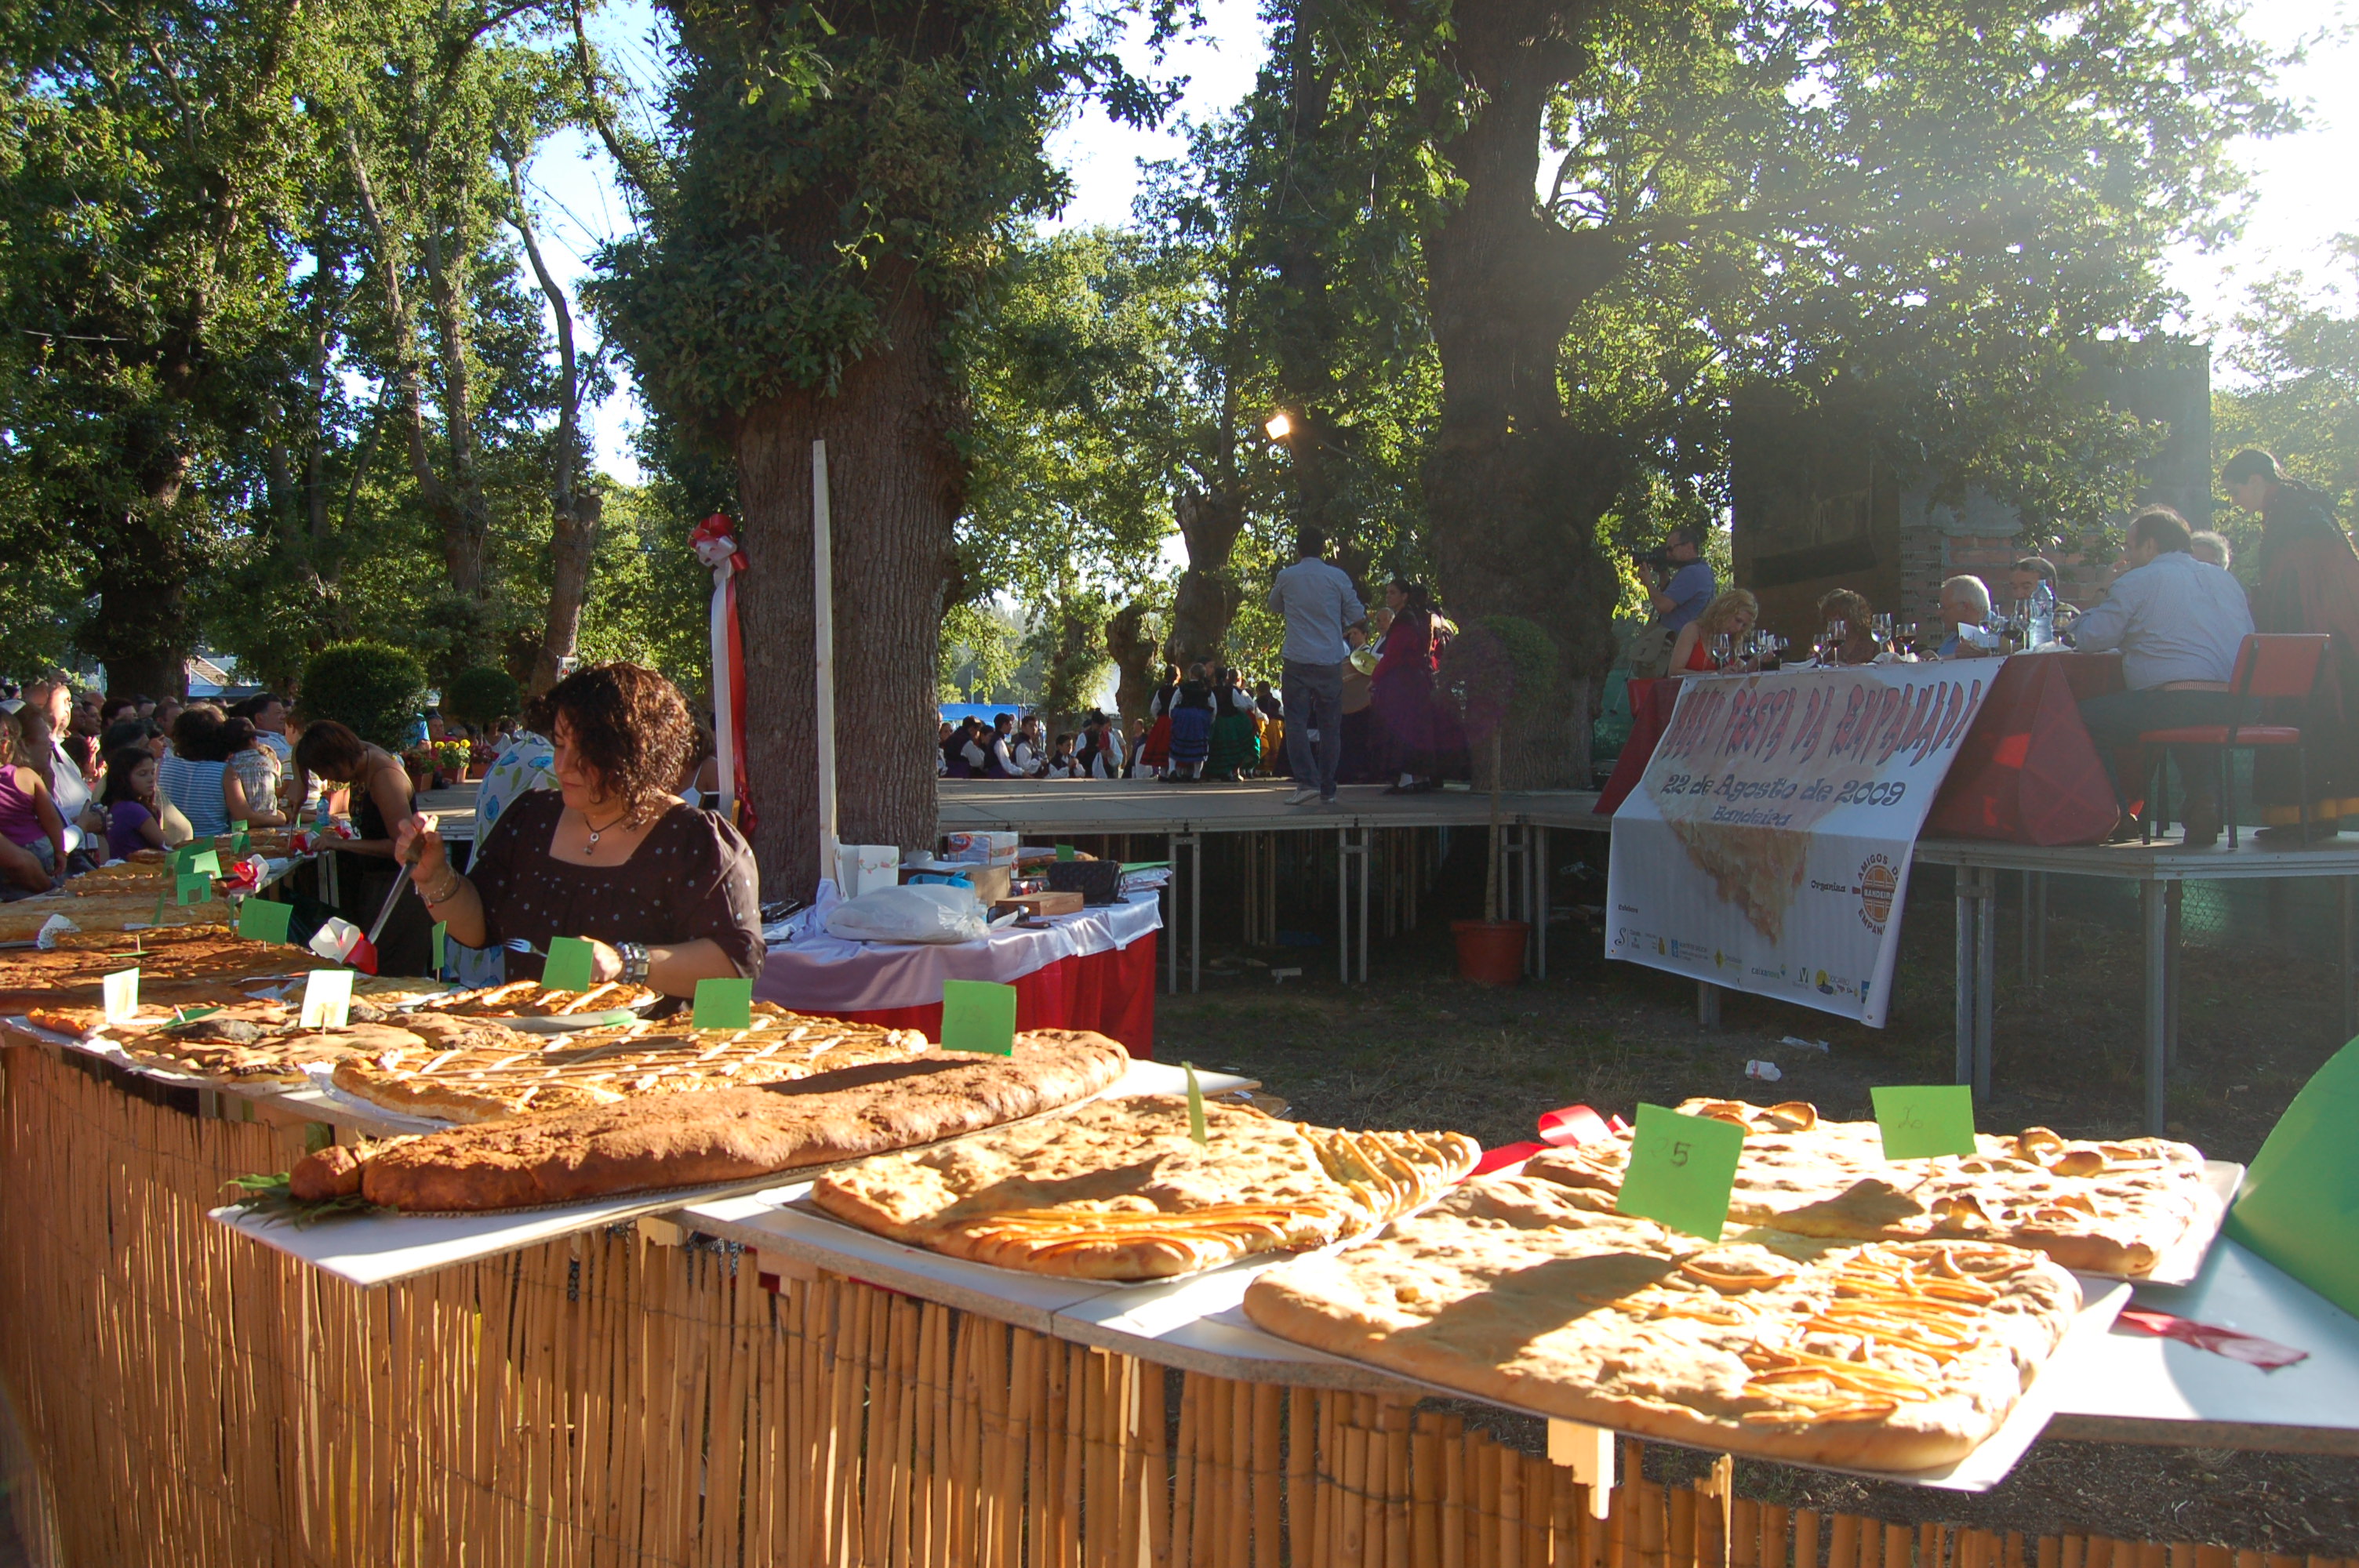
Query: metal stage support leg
(1986,983)
(2350,886)
(2154,905)
(2172,941)
(1195,912)
(1194,844)
(1270,890)
(1547,902)
(1367,869)
(1707,1005)
(1977,976)
(1346,853)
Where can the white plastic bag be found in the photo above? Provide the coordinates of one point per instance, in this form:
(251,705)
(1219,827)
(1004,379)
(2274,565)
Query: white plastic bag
(917,912)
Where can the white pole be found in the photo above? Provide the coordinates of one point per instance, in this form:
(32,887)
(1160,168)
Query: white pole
(823,660)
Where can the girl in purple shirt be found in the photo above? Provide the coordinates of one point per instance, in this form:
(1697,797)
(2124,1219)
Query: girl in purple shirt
(132,813)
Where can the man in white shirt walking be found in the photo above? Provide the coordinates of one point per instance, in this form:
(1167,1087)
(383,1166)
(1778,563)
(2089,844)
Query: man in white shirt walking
(2178,623)
(1318,602)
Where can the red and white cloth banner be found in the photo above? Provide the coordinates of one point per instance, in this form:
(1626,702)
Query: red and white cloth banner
(715,544)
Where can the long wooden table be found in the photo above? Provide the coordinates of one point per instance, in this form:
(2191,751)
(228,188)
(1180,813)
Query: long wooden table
(610,1399)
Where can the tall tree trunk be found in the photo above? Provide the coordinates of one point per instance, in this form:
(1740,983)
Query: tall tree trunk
(1208,594)
(143,628)
(896,486)
(1306,327)
(1133,652)
(574,516)
(1515,489)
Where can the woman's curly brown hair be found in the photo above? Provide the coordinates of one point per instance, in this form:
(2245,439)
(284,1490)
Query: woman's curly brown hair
(628,725)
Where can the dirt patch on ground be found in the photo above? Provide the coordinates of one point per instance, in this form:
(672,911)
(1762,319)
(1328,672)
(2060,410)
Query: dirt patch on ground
(1419,1048)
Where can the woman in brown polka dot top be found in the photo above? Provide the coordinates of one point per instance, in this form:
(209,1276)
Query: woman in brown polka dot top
(665,894)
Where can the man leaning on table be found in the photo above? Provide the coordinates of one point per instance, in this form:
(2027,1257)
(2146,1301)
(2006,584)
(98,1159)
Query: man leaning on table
(2178,623)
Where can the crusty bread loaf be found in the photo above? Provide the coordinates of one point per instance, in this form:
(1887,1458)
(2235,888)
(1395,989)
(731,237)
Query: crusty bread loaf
(654,1143)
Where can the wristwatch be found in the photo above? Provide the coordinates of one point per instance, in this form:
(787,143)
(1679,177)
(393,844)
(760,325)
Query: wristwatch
(635,962)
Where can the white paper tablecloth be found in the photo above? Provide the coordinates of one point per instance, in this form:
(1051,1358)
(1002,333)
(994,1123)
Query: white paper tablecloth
(826,974)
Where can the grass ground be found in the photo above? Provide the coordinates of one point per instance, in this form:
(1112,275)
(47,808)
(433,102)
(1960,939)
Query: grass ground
(1417,1047)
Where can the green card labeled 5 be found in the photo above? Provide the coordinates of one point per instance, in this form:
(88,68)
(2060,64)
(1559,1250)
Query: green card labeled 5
(568,966)
(979,1015)
(264,920)
(1925,1121)
(1680,1171)
(723,1004)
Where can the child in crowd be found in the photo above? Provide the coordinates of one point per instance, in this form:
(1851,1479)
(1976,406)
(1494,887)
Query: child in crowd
(134,817)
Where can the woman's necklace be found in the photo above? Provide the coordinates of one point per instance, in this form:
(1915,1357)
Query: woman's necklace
(596,832)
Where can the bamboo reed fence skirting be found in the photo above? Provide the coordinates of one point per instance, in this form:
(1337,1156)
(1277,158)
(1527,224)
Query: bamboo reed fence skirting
(193,1398)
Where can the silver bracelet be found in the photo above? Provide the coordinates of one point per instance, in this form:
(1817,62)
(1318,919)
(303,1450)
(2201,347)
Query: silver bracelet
(635,962)
(448,891)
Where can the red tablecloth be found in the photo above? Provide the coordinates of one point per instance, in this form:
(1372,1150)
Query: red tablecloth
(1112,992)
(2026,773)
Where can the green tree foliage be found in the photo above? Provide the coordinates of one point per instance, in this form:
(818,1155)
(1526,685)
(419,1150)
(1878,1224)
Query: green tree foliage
(1918,208)
(375,689)
(277,376)
(150,157)
(2298,358)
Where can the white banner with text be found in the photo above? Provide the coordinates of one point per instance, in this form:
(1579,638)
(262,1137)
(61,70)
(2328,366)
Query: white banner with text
(1767,847)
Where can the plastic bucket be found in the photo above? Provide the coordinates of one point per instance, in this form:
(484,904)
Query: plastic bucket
(1491,952)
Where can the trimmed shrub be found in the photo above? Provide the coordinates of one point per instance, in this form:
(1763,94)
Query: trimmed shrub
(377,688)
(481,696)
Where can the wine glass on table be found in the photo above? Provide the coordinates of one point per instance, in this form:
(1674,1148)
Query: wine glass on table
(1721,646)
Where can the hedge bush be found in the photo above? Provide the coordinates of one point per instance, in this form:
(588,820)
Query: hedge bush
(481,696)
(377,688)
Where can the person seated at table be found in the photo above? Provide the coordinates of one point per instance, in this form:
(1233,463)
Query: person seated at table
(666,894)
(1966,611)
(2212,549)
(1859,643)
(1731,613)
(2178,623)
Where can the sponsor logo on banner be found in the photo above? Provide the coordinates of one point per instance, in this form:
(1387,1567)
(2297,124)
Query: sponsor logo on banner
(1767,845)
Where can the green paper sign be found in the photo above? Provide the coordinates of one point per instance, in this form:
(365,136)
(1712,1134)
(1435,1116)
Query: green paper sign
(1196,1108)
(156,918)
(2295,1208)
(979,1015)
(188,888)
(568,966)
(119,994)
(238,828)
(190,1014)
(1064,851)
(327,999)
(264,920)
(190,861)
(441,934)
(241,843)
(1680,1170)
(1923,1121)
(723,1004)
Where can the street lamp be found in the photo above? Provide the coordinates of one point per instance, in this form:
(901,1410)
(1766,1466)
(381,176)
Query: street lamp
(1279,424)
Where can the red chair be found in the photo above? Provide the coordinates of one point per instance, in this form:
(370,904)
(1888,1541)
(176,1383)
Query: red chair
(2267,668)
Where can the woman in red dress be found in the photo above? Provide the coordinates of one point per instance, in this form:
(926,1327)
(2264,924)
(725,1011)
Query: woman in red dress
(1401,691)
(2307,581)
